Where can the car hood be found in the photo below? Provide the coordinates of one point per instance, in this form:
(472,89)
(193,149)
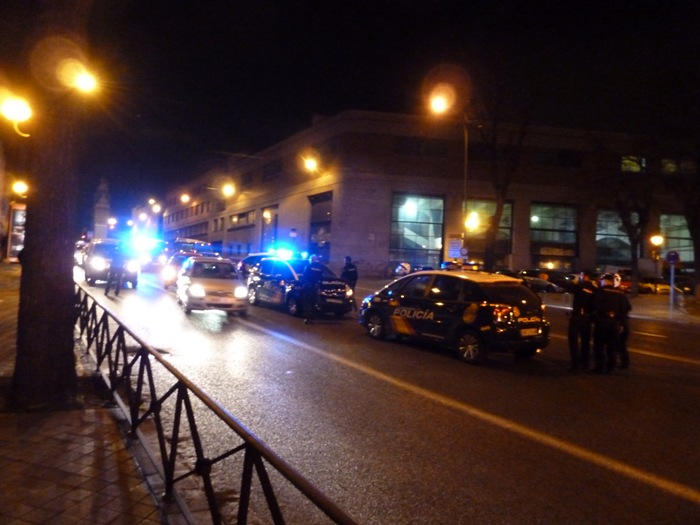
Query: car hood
(220,285)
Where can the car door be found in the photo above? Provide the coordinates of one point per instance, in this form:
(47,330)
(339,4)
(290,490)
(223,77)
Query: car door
(444,307)
(410,308)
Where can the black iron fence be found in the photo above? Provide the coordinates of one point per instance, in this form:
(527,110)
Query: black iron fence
(144,384)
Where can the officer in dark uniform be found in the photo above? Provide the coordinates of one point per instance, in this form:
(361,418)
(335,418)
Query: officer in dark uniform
(581,323)
(349,273)
(622,351)
(611,307)
(116,270)
(310,280)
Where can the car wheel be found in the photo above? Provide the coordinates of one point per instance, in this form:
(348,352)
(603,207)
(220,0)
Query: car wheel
(186,308)
(375,325)
(293,306)
(550,288)
(470,348)
(252,296)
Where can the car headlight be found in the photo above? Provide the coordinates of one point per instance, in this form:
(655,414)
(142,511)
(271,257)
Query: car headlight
(197,290)
(133,266)
(168,273)
(348,291)
(240,292)
(98,263)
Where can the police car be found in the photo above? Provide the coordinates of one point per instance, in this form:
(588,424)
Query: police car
(276,281)
(471,312)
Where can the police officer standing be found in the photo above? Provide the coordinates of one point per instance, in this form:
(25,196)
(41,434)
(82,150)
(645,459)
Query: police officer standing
(622,351)
(116,270)
(349,273)
(310,280)
(581,322)
(611,308)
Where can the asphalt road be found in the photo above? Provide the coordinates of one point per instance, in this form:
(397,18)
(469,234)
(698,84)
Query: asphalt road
(397,433)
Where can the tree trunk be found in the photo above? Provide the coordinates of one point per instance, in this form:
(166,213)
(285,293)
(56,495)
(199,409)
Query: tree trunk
(45,374)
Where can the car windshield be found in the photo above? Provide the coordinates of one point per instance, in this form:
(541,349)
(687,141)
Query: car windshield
(509,293)
(104,250)
(214,270)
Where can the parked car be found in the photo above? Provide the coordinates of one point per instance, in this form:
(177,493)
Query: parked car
(655,285)
(471,312)
(172,267)
(536,284)
(557,278)
(211,283)
(276,281)
(98,259)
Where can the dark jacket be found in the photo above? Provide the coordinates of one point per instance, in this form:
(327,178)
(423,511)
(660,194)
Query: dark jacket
(349,273)
(611,304)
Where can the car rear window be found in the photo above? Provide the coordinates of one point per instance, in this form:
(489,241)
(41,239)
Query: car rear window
(217,270)
(509,293)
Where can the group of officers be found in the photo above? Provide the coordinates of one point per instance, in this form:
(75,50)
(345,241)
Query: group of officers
(600,313)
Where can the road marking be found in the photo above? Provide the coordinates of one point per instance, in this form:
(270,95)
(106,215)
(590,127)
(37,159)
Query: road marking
(685,360)
(659,482)
(649,334)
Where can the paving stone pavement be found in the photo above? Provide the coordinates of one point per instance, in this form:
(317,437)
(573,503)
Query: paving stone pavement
(67,466)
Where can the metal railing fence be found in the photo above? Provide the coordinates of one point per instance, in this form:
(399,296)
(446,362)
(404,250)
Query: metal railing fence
(127,364)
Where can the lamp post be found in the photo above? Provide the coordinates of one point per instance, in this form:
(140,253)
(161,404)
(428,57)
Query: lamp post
(656,241)
(443,99)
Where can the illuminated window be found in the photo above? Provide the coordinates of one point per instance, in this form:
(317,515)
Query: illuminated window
(553,235)
(632,164)
(416,229)
(674,229)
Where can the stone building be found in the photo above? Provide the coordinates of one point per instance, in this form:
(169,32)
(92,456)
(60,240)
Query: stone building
(386,188)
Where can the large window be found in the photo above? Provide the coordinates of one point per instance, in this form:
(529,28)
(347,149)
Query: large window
(674,228)
(320,224)
(479,214)
(268,236)
(553,236)
(416,229)
(611,240)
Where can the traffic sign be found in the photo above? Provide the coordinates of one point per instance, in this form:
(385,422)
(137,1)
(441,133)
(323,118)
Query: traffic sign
(673,258)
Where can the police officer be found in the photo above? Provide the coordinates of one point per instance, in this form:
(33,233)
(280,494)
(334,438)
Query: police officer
(310,280)
(622,351)
(349,273)
(116,270)
(581,322)
(611,307)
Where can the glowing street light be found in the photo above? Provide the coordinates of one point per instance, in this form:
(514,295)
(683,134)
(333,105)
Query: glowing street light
(16,110)
(20,188)
(185,198)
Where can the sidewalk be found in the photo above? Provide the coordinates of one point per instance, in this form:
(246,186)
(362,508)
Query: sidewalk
(65,467)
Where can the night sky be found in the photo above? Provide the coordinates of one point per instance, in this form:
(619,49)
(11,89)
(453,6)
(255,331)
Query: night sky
(189,82)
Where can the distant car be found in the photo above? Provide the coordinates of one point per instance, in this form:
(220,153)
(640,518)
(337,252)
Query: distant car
(655,285)
(211,283)
(172,267)
(471,312)
(98,259)
(557,278)
(536,284)
(276,281)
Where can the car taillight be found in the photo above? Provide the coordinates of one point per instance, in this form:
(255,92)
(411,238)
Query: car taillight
(503,314)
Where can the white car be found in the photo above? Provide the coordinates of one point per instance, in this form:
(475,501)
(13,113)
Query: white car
(211,283)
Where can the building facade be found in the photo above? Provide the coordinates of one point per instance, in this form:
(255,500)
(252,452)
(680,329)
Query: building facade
(387,188)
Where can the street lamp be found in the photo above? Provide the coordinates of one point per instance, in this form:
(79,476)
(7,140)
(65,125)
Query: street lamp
(16,110)
(657,241)
(443,99)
